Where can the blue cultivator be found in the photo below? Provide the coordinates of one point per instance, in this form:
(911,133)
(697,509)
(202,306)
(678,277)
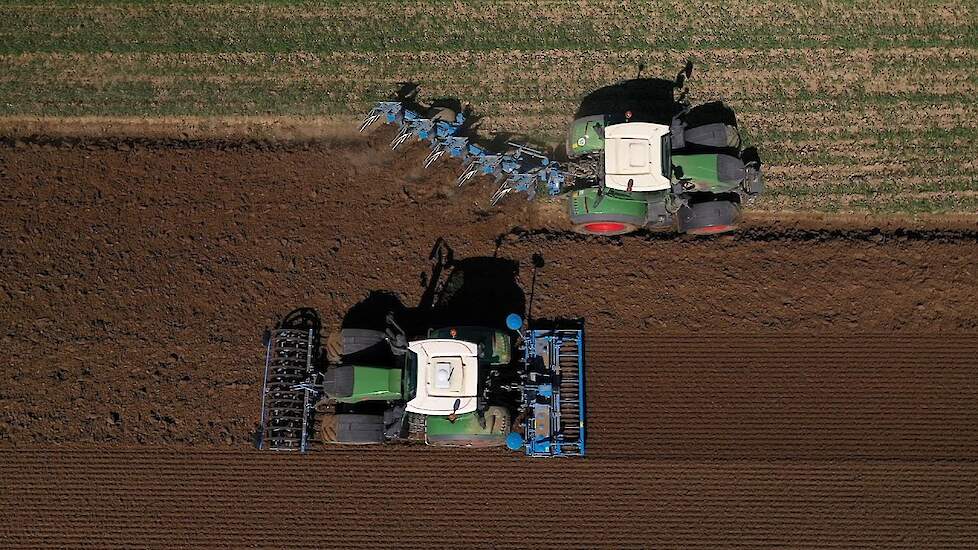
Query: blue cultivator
(554,392)
(520,168)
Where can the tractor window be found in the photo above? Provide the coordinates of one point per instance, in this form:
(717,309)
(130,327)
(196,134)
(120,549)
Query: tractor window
(666,155)
(410,375)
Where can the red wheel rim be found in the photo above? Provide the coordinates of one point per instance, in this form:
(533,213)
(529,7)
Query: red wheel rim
(712,229)
(604,227)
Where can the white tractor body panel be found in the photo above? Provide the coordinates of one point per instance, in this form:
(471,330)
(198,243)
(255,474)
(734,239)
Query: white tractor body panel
(633,153)
(447,370)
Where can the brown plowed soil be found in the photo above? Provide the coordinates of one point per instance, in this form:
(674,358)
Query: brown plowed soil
(802,383)
(445,499)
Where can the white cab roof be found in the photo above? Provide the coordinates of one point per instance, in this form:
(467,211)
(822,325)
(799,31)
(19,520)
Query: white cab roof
(633,152)
(447,370)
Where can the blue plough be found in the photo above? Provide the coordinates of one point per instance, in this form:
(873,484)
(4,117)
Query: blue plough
(520,168)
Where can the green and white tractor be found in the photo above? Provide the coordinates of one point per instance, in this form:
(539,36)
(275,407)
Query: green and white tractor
(441,383)
(635,158)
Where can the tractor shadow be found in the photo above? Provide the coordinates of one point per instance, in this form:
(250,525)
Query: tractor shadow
(638,99)
(477,291)
(711,113)
(635,100)
(407,93)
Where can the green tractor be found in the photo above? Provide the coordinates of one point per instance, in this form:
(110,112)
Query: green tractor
(644,159)
(642,179)
(447,389)
(636,157)
(464,374)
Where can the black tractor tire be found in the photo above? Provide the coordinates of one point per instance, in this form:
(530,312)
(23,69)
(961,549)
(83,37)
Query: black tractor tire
(718,136)
(353,429)
(709,217)
(356,340)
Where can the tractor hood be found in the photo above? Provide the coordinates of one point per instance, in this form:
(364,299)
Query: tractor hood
(447,370)
(637,157)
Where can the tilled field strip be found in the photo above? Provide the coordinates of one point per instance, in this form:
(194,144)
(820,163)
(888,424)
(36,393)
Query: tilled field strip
(784,396)
(755,441)
(430,498)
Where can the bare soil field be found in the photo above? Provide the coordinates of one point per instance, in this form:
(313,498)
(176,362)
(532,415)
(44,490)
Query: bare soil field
(435,499)
(805,382)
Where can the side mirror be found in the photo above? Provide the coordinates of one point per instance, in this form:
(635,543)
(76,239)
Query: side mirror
(453,417)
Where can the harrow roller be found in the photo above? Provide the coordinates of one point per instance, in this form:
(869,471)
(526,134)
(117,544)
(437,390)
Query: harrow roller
(287,397)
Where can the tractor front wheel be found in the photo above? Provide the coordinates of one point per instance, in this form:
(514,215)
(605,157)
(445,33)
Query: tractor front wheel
(605,228)
(709,217)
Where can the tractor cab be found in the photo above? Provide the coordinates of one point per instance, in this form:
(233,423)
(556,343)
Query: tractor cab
(637,157)
(444,375)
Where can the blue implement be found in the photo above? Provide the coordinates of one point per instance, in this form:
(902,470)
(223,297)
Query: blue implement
(520,169)
(553,394)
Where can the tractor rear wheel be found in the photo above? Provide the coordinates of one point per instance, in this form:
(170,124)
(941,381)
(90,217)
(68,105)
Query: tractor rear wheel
(356,340)
(352,429)
(710,217)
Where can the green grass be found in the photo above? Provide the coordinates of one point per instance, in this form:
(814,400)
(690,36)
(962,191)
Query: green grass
(464,26)
(872,101)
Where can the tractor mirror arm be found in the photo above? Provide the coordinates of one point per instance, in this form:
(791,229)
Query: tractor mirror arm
(453,417)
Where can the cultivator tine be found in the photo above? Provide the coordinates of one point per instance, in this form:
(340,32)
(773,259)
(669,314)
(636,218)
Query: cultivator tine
(436,153)
(367,122)
(467,175)
(481,165)
(402,136)
(440,146)
(391,111)
(420,128)
(499,194)
(452,145)
(514,182)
